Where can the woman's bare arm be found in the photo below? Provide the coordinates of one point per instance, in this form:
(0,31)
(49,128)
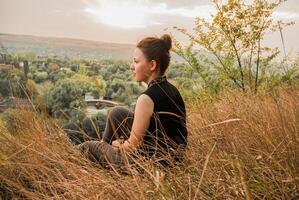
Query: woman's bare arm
(143,111)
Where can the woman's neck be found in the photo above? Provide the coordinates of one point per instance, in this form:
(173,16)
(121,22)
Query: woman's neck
(154,76)
(157,80)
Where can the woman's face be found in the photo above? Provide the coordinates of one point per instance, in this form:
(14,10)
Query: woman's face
(140,67)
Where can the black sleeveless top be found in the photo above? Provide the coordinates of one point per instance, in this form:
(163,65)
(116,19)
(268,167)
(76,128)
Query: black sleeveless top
(167,130)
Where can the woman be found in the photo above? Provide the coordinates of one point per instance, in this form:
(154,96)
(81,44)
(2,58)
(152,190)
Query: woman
(157,128)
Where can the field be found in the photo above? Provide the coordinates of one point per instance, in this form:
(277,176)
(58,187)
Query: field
(240,146)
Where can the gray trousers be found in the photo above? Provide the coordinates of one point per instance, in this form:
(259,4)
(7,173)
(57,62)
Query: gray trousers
(118,126)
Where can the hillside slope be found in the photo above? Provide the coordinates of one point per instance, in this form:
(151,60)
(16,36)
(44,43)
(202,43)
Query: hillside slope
(240,147)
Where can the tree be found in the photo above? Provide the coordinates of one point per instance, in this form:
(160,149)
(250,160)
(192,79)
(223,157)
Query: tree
(31,89)
(67,94)
(4,73)
(100,85)
(232,41)
(52,67)
(26,69)
(40,76)
(4,88)
(17,83)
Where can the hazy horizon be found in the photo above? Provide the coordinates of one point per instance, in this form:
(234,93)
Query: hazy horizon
(123,22)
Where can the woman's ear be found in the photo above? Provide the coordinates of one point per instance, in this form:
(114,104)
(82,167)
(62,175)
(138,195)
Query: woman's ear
(154,65)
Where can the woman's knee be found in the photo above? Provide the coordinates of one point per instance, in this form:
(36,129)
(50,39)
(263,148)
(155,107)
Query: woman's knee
(91,149)
(119,113)
(88,146)
(84,147)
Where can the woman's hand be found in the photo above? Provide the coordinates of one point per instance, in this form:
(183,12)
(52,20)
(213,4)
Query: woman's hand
(125,146)
(116,144)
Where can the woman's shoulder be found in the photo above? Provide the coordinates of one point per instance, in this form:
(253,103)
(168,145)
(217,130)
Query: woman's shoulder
(144,99)
(163,92)
(144,104)
(165,86)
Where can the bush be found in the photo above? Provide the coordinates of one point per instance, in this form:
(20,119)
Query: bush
(40,76)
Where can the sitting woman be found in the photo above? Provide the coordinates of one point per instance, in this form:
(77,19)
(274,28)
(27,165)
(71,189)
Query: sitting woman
(157,128)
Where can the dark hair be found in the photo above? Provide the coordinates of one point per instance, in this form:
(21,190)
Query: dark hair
(157,49)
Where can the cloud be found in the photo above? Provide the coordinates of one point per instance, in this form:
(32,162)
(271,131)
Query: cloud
(202,11)
(140,13)
(280,15)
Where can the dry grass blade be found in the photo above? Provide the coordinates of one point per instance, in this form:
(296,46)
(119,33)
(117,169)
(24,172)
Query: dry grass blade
(203,170)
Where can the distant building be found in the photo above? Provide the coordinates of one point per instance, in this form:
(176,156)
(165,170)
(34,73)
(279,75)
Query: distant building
(21,65)
(65,69)
(95,106)
(89,96)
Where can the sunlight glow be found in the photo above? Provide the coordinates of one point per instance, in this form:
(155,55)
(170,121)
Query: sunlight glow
(139,13)
(120,14)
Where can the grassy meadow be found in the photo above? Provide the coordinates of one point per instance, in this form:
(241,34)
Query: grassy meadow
(240,146)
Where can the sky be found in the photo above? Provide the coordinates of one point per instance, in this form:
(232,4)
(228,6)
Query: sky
(123,21)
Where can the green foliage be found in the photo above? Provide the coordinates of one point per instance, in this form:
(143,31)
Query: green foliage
(12,82)
(4,73)
(57,75)
(121,91)
(40,76)
(45,90)
(276,78)
(68,94)
(4,88)
(57,81)
(6,84)
(231,53)
(100,85)
(31,89)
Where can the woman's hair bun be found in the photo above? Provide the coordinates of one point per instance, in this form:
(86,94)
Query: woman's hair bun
(167,41)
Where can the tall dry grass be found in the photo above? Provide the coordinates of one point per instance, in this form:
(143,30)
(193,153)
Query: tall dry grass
(240,147)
